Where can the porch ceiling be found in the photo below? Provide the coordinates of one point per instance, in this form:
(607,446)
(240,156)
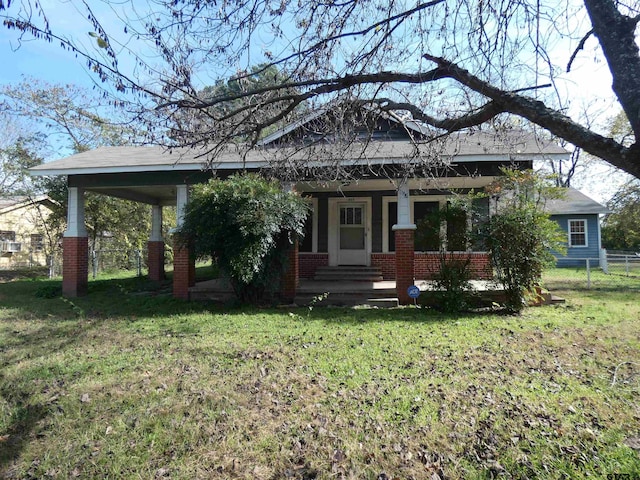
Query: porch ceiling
(443,183)
(164,195)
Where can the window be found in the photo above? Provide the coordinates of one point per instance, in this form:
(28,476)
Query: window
(428,233)
(37,244)
(577,233)
(7,236)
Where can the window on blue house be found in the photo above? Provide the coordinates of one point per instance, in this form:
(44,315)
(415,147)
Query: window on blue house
(577,233)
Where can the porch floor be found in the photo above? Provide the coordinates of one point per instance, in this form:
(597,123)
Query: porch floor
(381,293)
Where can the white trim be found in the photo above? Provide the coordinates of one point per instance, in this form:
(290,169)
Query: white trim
(314,240)
(334,230)
(182,197)
(75,213)
(586,232)
(156,224)
(441,199)
(257,164)
(314,223)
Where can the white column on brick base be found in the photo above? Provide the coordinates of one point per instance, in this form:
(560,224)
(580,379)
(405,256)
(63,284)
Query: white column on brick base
(75,213)
(404,209)
(156,224)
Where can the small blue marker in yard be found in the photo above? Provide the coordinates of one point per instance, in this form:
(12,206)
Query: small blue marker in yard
(413,292)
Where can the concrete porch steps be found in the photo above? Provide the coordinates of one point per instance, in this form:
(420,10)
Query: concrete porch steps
(344,299)
(348,273)
(347,293)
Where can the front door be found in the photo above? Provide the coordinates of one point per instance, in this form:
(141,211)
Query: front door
(352,243)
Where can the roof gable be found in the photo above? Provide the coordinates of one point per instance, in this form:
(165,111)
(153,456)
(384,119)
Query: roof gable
(9,204)
(574,202)
(357,120)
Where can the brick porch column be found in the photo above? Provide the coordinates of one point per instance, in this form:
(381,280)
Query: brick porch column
(404,236)
(75,247)
(182,272)
(404,264)
(183,264)
(155,246)
(291,276)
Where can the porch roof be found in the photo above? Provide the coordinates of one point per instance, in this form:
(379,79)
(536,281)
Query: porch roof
(459,148)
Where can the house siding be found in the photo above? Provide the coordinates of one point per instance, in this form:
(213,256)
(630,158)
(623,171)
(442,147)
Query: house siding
(575,255)
(24,222)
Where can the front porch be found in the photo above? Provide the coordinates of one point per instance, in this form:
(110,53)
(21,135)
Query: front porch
(380,293)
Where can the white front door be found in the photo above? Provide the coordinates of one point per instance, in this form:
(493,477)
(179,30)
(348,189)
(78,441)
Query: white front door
(352,232)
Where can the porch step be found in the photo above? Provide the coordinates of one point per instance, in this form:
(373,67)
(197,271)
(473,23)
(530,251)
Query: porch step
(348,273)
(348,299)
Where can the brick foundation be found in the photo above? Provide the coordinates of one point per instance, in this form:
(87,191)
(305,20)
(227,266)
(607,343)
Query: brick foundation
(183,271)
(155,260)
(427,264)
(386,262)
(404,264)
(290,278)
(309,262)
(75,266)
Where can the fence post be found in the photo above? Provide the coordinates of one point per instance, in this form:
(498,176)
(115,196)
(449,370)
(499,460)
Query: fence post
(52,272)
(94,263)
(588,274)
(626,264)
(604,265)
(139,261)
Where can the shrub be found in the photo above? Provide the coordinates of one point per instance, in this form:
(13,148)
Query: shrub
(445,230)
(452,283)
(246,223)
(520,235)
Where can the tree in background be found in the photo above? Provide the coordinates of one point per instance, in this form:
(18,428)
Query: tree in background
(257,110)
(621,227)
(15,160)
(246,223)
(519,235)
(70,119)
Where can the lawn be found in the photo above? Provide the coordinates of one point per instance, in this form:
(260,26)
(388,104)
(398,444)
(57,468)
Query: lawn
(125,383)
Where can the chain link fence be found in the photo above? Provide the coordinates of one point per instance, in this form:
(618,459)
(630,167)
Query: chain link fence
(594,272)
(108,261)
(99,261)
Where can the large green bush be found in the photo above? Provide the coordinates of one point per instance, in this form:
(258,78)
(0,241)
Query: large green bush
(520,236)
(247,224)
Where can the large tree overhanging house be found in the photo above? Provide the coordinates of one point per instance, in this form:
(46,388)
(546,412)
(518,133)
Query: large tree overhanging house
(369,179)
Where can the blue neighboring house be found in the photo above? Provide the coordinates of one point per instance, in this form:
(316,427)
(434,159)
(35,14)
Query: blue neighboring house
(579,217)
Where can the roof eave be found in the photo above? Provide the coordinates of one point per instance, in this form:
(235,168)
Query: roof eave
(41,171)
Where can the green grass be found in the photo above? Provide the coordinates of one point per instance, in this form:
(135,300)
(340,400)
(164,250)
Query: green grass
(129,383)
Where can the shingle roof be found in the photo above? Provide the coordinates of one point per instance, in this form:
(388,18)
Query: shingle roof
(17,201)
(574,203)
(477,146)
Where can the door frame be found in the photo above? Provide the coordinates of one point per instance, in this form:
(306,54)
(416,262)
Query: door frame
(334,226)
